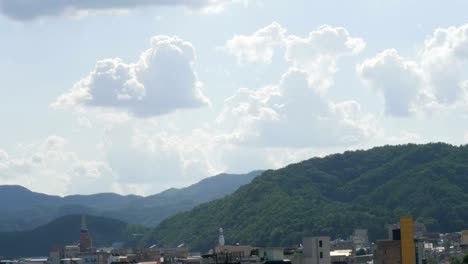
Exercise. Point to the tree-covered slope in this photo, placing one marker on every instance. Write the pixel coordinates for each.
(65, 231)
(332, 196)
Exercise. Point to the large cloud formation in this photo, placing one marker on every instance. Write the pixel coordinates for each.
(316, 54)
(435, 77)
(291, 114)
(294, 112)
(162, 81)
(25, 10)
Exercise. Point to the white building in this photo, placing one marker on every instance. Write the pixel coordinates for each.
(316, 250)
(71, 251)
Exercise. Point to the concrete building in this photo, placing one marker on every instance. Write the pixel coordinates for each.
(403, 247)
(360, 238)
(71, 251)
(55, 254)
(388, 252)
(271, 253)
(316, 250)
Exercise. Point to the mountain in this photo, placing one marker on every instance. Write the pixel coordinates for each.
(23, 209)
(64, 231)
(332, 196)
(151, 210)
(101, 200)
(18, 197)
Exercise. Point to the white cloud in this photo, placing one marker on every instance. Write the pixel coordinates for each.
(291, 114)
(444, 59)
(25, 10)
(48, 167)
(259, 47)
(162, 81)
(397, 78)
(316, 54)
(433, 81)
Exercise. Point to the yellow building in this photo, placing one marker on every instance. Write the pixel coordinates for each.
(408, 254)
(464, 237)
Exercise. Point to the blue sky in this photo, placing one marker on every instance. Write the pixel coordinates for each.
(140, 96)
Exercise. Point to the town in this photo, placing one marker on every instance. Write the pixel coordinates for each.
(408, 242)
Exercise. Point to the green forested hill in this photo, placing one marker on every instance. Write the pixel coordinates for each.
(332, 196)
(64, 231)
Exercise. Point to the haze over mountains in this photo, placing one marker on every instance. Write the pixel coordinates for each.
(23, 209)
(320, 196)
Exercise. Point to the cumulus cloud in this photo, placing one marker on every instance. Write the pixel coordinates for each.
(398, 79)
(291, 114)
(25, 10)
(50, 168)
(160, 82)
(258, 47)
(316, 54)
(433, 80)
(444, 59)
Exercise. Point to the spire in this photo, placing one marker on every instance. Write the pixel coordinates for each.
(83, 222)
(85, 240)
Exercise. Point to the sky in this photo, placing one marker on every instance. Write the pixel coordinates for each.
(135, 97)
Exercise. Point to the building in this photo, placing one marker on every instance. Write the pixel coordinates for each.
(271, 254)
(360, 238)
(402, 247)
(464, 237)
(55, 254)
(341, 256)
(85, 240)
(464, 241)
(408, 254)
(71, 251)
(388, 251)
(316, 250)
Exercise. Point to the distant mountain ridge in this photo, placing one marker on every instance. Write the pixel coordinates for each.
(332, 196)
(23, 209)
(65, 231)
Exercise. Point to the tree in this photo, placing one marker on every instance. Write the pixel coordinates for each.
(454, 260)
(361, 252)
(465, 259)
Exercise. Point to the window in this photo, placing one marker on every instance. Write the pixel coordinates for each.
(321, 254)
(320, 243)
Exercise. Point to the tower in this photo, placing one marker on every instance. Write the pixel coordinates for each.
(85, 240)
(408, 254)
(221, 237)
